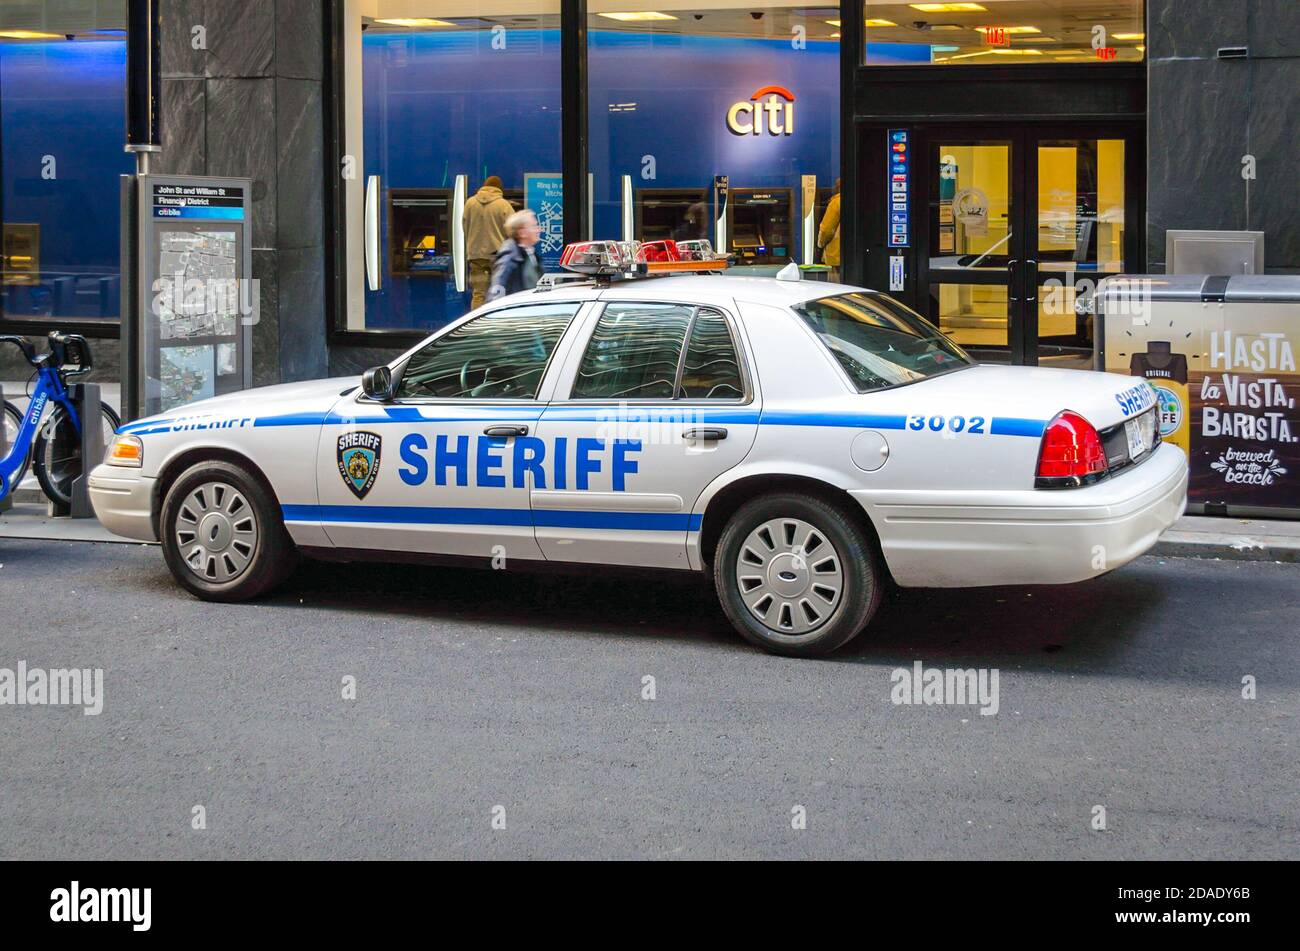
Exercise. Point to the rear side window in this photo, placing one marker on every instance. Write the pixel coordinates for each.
(501, 355)
(642, 351)
(879, 342)
(711, 370)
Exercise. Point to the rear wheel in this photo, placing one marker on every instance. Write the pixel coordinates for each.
(12, 421)
(796, 575)
(56, 453)
(222, 533)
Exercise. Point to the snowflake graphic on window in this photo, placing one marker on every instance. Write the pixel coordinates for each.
(550, 218)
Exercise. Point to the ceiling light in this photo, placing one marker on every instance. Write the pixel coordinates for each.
(1128, 36)
(876, 21)
(1009, 29)
(414, 22)
(29, 35)
(641, 16)
(948, 7)
(834, 23)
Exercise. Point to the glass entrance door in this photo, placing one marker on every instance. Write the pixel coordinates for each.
(1080, 233)
(976, 233)
(1022, 225)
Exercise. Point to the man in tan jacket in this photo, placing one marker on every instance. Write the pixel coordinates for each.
(485, 230)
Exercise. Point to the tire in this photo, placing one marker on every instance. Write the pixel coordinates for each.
(12, 420)
(56, 452)
(247, 551)
(797, 607)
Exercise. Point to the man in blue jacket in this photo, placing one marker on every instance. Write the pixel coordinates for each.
(516, 267)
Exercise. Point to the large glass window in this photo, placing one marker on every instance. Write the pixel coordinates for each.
(62, 127)
(1002, 32)
(501, 355)
(684, 96)
(452, 122)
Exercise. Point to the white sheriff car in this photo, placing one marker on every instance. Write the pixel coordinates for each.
(800, 442)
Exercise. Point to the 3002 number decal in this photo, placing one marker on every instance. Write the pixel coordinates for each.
(952, 424)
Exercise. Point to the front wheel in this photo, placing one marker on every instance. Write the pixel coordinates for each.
(222, 534)
(796, 575)
(56, 453)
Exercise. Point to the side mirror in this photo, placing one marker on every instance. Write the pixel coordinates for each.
(377, 383)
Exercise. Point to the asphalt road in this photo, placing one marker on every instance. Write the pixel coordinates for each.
(484, 689)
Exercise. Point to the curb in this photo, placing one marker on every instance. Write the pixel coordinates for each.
(1176, 544)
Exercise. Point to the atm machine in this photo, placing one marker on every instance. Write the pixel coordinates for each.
(678, 214)
(760, 225)
(420, 232)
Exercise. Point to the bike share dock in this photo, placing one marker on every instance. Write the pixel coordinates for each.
(28, 514)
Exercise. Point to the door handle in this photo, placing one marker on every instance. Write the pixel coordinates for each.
(1031, 281)
(706, 435)
(506, 431)
(1013, 269)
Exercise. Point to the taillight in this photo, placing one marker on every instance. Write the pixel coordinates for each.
(1071, 453)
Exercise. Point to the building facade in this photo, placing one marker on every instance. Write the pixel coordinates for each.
(989, 162)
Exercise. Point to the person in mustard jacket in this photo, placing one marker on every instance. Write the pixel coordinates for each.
(485, 230)
(828, 235)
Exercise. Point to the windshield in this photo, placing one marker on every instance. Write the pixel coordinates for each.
(879, 342)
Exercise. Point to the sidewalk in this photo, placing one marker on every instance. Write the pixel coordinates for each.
(1192, 536)
(1238, 539)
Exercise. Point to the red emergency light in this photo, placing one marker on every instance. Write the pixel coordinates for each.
(629, 259)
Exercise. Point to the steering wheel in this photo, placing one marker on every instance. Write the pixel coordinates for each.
(468, 367)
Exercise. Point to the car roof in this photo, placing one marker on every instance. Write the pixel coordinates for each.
(697, 288)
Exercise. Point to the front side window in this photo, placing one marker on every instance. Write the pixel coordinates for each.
(879, 342)
(501, 355)
(659, 351)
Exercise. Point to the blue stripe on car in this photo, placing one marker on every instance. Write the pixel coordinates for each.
(446, 515)
(998, 425)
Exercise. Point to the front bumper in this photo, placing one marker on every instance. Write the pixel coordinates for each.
(123, 501)
(1037, 536)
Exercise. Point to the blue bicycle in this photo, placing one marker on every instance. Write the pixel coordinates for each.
(51, 445)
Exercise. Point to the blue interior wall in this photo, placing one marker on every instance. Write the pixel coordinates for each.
(682, 87)
(66, 100)
(443, 103)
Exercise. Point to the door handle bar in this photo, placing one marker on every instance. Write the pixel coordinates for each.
(506, 431)
(708, 435)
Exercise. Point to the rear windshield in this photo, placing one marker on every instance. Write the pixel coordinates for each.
(879, 342)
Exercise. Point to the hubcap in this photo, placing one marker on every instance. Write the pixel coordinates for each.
(789, 576)
(216, 532)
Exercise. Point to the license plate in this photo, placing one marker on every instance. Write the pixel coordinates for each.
(1141, 433)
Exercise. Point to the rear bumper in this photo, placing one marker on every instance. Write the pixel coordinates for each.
(1036, 536)
(123, 501)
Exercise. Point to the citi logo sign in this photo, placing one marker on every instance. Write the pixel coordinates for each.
(773, 114)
